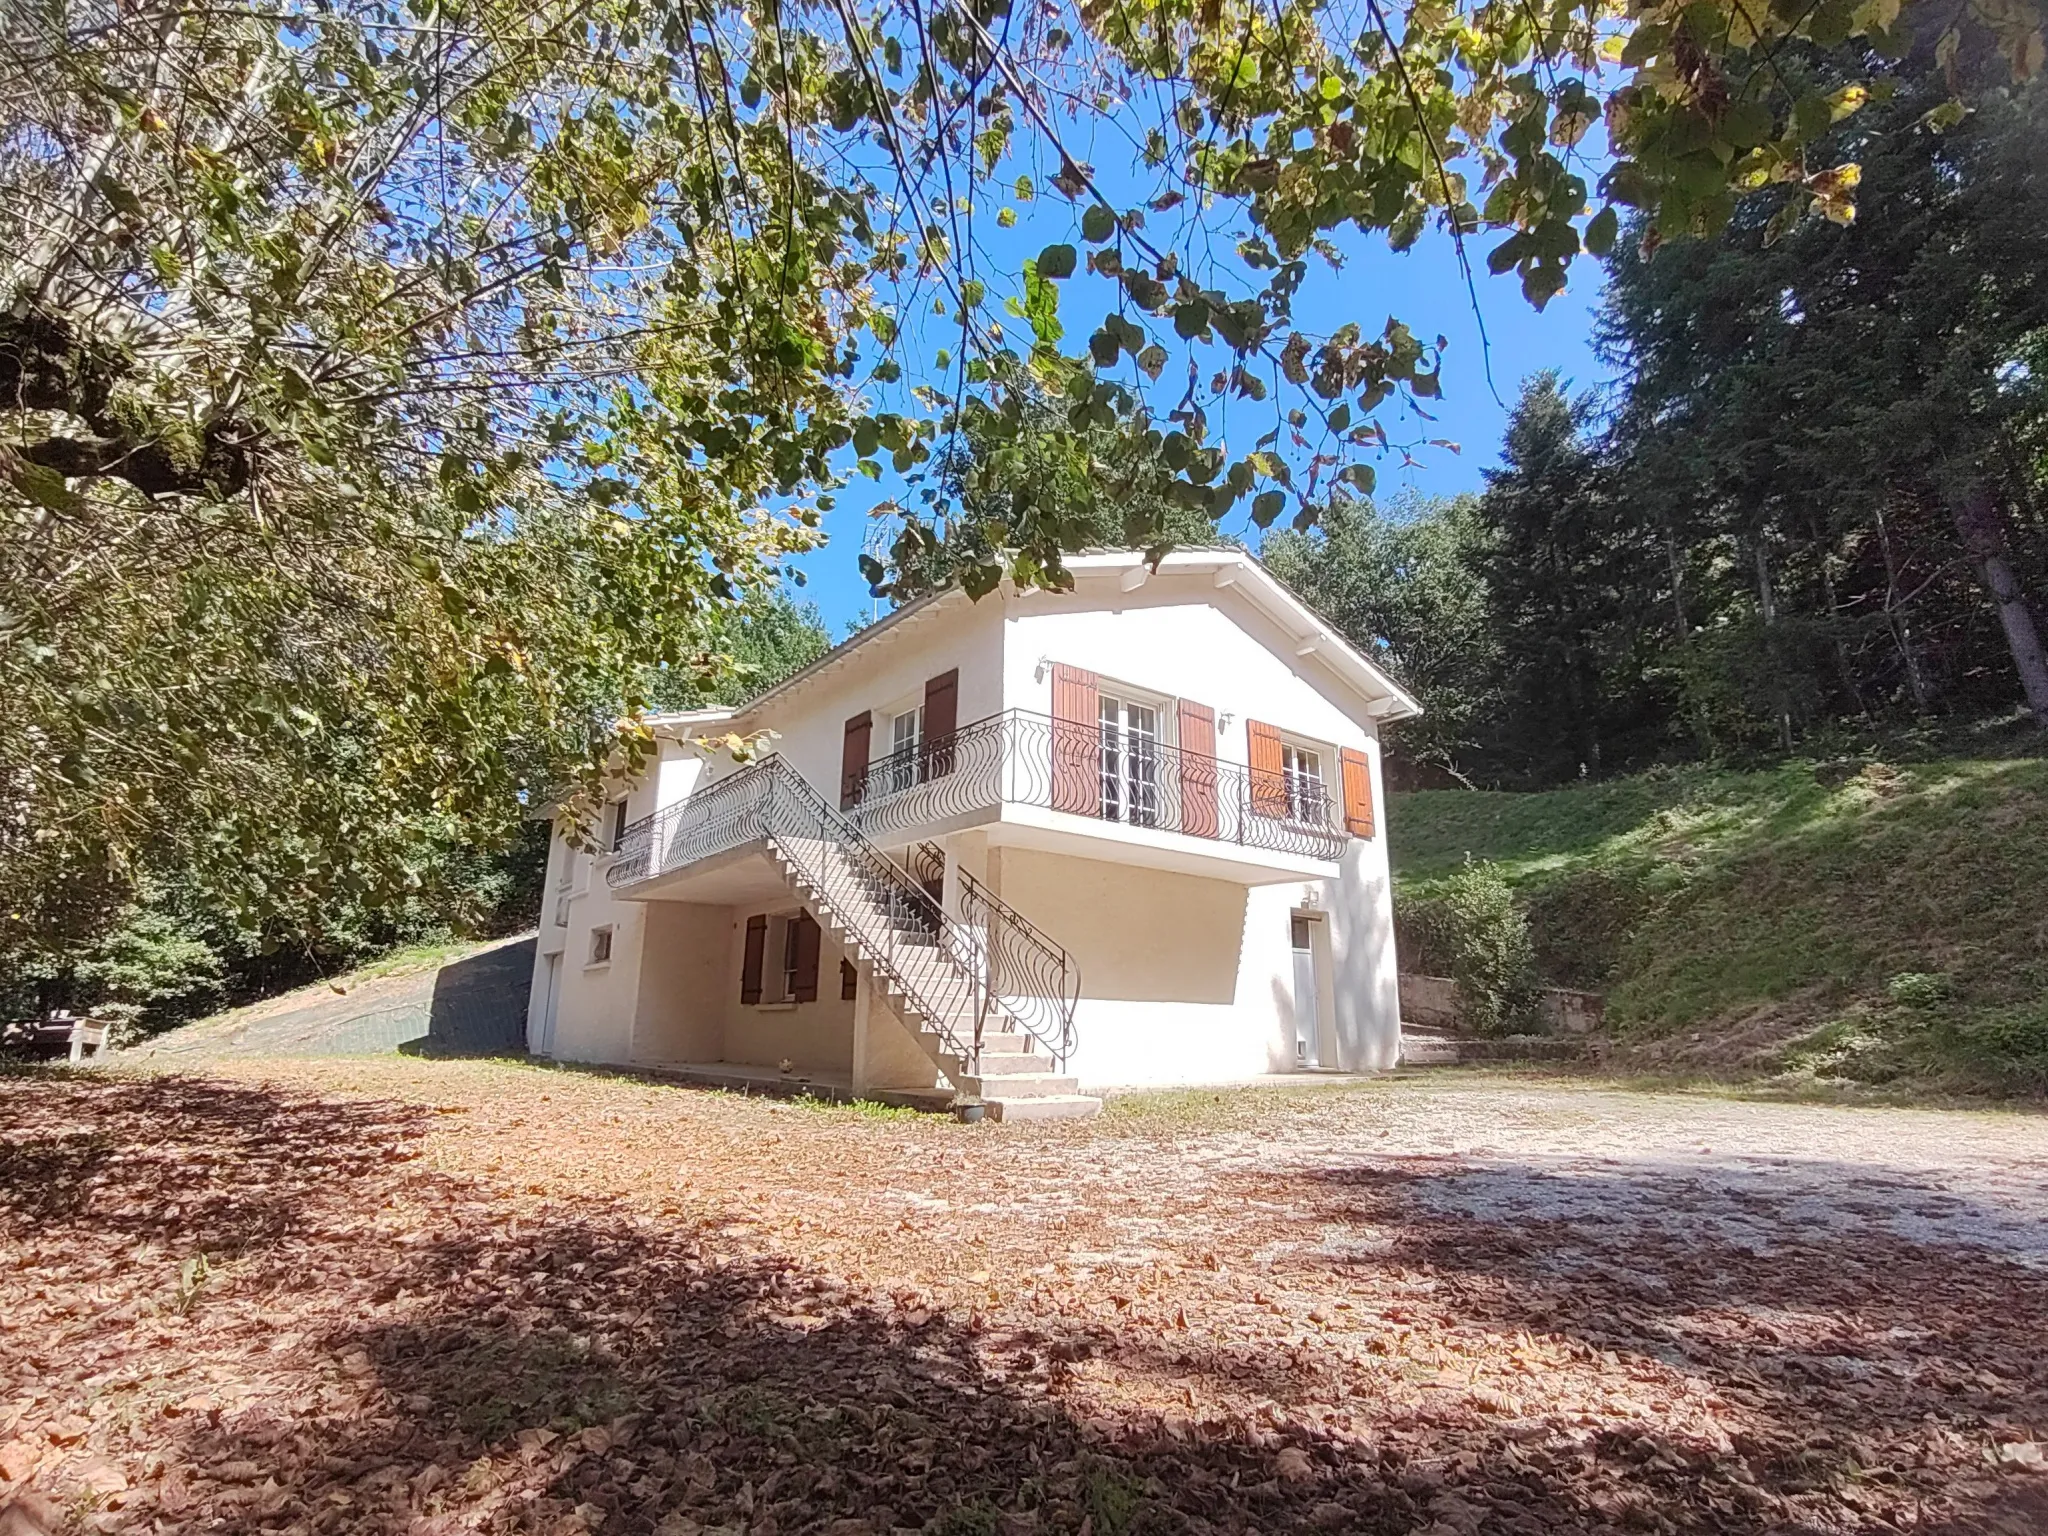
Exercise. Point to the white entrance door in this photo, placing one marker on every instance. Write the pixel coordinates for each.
(550, 1002)
(1307, 1002)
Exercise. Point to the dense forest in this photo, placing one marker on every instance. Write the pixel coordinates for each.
(1811, 511)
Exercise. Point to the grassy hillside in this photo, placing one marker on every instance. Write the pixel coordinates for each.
(1855, 920)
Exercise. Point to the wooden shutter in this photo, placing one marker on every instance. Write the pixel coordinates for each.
(1076, 740)
(849, 982)
(1358, 818)
(805, 988)
(941, 720)
(853, 757)
(1269, 775)
(750, 965)
(1197, 730)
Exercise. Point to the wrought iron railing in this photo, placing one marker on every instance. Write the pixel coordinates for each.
(932, 959)
(1029, 973)
(1019, 758)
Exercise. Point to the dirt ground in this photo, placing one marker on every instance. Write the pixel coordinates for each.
(425, 1297)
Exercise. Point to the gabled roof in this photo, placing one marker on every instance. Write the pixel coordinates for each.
(1228, 567)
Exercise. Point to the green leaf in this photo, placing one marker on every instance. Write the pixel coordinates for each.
(1097, 224)
(1152, 360)
(118, 195)
(1056, 261)
(1601, 230)
(1267, 506)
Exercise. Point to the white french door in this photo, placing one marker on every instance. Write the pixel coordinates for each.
(1130, 762)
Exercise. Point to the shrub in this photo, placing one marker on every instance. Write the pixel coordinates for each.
(1470, 928)
(1920, 989)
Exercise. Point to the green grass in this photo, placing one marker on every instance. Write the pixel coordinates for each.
(1837, 920)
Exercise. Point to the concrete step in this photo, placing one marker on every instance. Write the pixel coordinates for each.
(1016, 1085)
(996, 1063)
(1058, 1106)
(993, 1047)
(1429, 1048)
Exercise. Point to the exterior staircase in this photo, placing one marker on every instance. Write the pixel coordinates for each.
(951, 982)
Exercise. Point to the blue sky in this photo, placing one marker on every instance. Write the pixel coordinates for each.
(1423, 287)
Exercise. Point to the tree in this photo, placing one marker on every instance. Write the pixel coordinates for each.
(1569, 575)
(1838, 410)
(997, 480)
(1402, 586)
(745, 654)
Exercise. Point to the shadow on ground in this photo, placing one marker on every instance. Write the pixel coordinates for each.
(243, 1309)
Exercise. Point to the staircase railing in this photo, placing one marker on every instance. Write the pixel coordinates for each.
(1028, 972)
(931, 958)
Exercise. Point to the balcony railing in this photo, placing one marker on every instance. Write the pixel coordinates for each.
(1019, 758)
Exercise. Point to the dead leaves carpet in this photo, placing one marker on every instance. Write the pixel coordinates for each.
(425, 1298)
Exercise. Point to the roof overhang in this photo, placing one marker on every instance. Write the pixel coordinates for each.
(1309, 634)
(1234, 569)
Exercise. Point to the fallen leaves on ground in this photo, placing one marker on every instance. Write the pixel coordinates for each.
(434, 1298)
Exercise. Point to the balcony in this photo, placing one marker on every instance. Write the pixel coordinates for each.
(1029, 771)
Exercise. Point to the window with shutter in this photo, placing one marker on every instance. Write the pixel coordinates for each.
(803, 978)
(853, 757)
(941, 720)
(1268, 769)
(849, 982)
(1358, 807)
(1196, 724)
(754, 961)
(1076, 740)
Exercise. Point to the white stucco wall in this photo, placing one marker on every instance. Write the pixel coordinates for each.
(1178, 637)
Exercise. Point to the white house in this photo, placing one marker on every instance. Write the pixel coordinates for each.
(1005, 850)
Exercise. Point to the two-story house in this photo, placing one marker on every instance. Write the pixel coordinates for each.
(1005, 851)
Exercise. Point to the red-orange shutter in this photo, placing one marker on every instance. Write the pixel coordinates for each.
(853, 757)
(941, 720)
(804, 989)
(1197, 727)
(750, 965)
(1269, 777)
(1076, 740)
(1358, 817)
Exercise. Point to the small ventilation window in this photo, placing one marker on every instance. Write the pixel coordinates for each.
(601, 945)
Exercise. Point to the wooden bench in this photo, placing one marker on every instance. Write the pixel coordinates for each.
(63, 1033)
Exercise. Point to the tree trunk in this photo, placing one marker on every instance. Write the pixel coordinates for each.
(1767, 603)
(1980, 524)
(1900, 624)
(1702, 724)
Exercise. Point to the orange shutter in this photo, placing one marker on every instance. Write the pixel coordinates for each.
(805, 986)
(1358, 818)
(1076, 740)
(750, 966)
(941, 720)
(1269, 778)
(853, 757)
(1197, 726)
